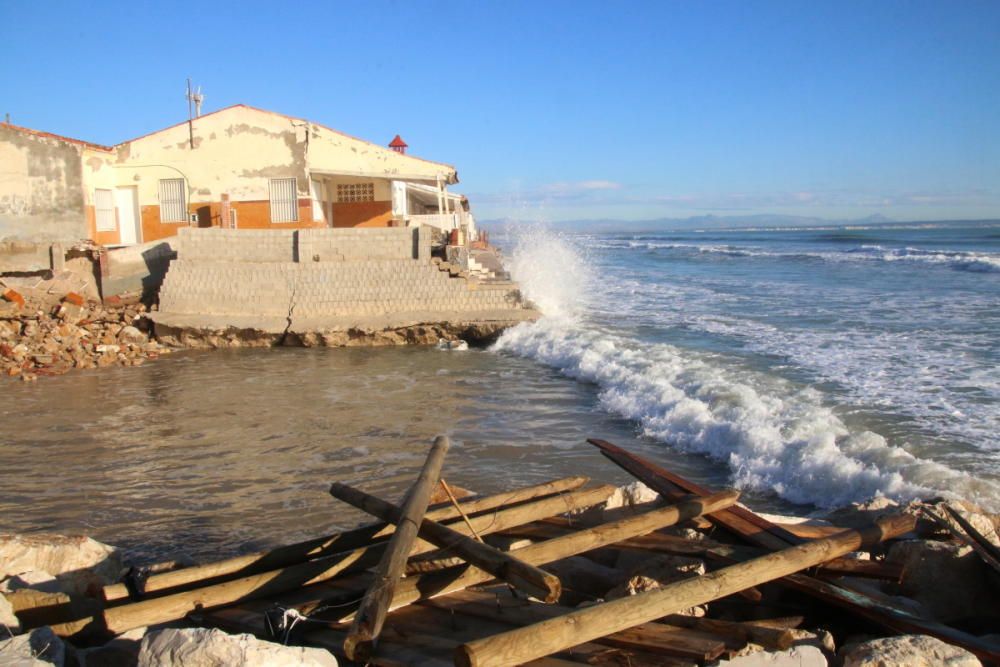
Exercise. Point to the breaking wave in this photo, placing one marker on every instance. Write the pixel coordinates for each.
(958, 260)
(774, 436)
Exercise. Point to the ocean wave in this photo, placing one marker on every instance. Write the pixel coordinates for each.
(773, 435)
(782, 440)
(978, 262)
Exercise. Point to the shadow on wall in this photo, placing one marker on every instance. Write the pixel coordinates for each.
(137, 269)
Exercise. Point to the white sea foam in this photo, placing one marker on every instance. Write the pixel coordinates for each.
(772, 434)
(979, 262)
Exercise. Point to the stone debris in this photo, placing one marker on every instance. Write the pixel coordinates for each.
(71, 564)
(41, 338)
(201, 647)
(38, 648)
(800, 656)
(907, 651)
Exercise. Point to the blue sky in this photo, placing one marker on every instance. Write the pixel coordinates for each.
(566, 110)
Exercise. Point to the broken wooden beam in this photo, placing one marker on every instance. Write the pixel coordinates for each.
(284, 556)
(504, 566)
(178, 605)
(432, 585)
(524, 644)
(370, 617)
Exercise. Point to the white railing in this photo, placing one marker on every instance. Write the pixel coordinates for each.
(445, 221)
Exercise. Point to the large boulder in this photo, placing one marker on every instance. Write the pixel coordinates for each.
(9, 624)
(38, 648)
(799, 656)
(949, 580)
(202, 647)
(907, 651)
(79, 564)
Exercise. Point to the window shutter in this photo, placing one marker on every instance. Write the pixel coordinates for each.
(173, 207)
(104, 207)
(284, 200)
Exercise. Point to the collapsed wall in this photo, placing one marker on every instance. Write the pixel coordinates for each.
(325, 287)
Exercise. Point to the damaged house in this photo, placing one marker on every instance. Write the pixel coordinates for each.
(236, 168)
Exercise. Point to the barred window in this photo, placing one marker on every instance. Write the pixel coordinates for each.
(104, 207)
(354, 192)
(173, 204)
(284, 200)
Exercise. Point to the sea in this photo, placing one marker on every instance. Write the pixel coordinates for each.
(811, 368)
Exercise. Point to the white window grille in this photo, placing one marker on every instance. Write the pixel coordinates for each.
(173, 204)
(284, 200)
(104, 207)
(349, 193)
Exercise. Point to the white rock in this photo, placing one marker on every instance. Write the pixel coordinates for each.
(130, 334)
(631, 495)
(907, 651)
(799, 656)
(77, 562)
(9, 622)
(38, 648)
(39, 581)
(202, 647)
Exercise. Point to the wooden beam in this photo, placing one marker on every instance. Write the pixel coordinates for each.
(178, 605)
(527, 578)
(370, 617)
(241, 566)
(524, 644)
(432, 585)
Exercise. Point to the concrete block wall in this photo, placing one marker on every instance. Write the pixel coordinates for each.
(358, 273)
(236, 245)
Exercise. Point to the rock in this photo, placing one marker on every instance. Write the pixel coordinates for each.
(122, 651)
(799, 656)
(130, 334)
(907, 651)
(80, 564)
(631, 495)
(9, 623)
(656, 572)
(821, 639)
(202, 647)
(949, 580)
(38, 648)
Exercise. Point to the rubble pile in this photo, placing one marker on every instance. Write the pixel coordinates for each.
(52, 336)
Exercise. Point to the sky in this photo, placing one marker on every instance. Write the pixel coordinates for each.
(566, 110)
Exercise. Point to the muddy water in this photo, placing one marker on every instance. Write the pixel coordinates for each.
(216, 453)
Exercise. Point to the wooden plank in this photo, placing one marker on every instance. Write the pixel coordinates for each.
(427, 586)
(738, 520)
(368, 620)
(989, 552)
(528, 578)
(584, 625)
(364, 536)
(653, 638)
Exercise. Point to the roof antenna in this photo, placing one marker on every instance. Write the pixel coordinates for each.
(196, 99)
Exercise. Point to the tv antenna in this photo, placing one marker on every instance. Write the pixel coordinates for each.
(195, 98)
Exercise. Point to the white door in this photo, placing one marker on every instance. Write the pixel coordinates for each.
(127, 202)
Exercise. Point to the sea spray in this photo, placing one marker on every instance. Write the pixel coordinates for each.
(773, 435)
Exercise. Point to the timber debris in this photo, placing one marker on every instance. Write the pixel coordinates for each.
(552, 574)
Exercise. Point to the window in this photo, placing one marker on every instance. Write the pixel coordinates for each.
(348, 193)
(284, 200)
(104, 207)
(173, 207)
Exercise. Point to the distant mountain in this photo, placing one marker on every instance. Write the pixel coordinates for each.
(695, 222)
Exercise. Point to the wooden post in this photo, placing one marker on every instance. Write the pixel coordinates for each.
(528, 578)
(178, 605)
(374, 608)
(534, 641)
(241, 566)
(421, 587)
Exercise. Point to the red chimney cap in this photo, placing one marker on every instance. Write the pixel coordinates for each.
(397, 143)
